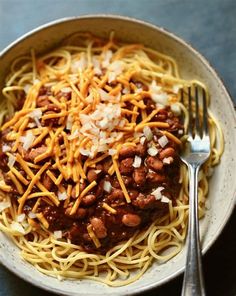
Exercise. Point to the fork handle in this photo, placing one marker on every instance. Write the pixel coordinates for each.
(193, 284)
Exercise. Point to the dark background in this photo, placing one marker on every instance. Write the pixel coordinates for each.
(210, 26)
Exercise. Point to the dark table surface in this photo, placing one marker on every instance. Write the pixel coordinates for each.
(210, 26)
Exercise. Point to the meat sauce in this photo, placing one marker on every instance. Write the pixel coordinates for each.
(140, 182)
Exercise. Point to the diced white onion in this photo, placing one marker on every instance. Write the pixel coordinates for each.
(165, 199)
(137, 161)
(125, 90)
(74, 135)
(69, 122)
(27, 140)
(176, 88)
(84, 152)
(57, 234)
(168, 160)
(104, 95)
(163, 141)
(107, 55)
(20, 218)
(31, 215)
(4, 205)
(152, 151)
(6, 148)
(112, 151)
(17, 227)
(11, 160)
(175, 108)
(80, 64)
(107, 186)
(111, 77)
(66, 89)
(97, 171)
(157, 193)
(147, 133)
(62, 195)
(161, 98)
(32, 124)
(142, 140)
(36, 113)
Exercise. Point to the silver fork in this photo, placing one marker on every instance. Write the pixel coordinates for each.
(196, 153)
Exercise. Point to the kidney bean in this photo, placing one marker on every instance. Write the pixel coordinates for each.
(127, 151)
(92, 175)
(88, 199)
(167, 152)
(139, 175)
(127, 180)
(99, 227)
(143, 201)
(154, 163)
(116, 194)
(115, 183)
(133, 194)
(80, 213)
(47, 182)
(126, 166)
(106, 165)
(35, 152)
(141, 150)
(43, 101)
(155, 178)
(99, 189)
(131, 220)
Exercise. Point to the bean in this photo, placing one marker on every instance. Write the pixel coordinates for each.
(155, 178)
(106, 165)
(116, 194)
(43, 101)
(89, 199)
(133, 194)
(126, 166)
(143, 201)
(167, 152)
(127, 151)
(92, 175)
(127, 180)
(139, 175)
(100, 189)
(99, 227)
(80, 213)
(35, 152)
(154, 163)
(47, 182)
(141, 149)
(131, 220)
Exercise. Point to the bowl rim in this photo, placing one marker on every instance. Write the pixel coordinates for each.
(203, 61)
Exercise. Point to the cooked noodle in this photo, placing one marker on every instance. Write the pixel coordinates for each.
(81, 67)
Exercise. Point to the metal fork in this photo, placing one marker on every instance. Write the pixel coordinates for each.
(196, 153)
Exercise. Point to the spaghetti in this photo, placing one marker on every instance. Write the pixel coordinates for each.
(92, 186)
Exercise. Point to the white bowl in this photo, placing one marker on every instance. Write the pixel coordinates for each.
(222, 184)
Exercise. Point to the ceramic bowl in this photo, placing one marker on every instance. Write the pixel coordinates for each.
(222, 184)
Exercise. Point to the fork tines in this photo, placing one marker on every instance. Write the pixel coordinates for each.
(195, 100)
